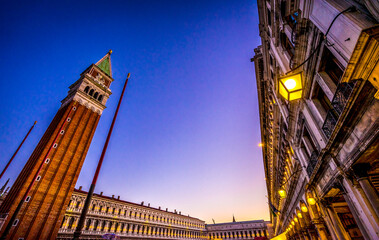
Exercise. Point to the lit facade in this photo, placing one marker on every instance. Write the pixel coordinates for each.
(239, 230)
(320, 151)
(110, 215)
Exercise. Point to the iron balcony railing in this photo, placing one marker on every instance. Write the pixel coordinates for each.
(339, 101)
(312, 163)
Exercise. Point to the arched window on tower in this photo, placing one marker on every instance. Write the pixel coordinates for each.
(91, 92)
(100, 98)
(95, 95)
(86, 89)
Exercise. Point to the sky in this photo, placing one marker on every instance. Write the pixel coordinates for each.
(187, 133)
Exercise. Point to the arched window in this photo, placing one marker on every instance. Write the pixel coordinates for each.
(91, 92)
(95, 95)
(115, 227)
(95, 224)
(88, 224)
(86, 89)
(64, 219)
(100, 98)
(77, 204)
(71, 222)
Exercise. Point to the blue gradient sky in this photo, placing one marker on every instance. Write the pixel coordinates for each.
(187, 133)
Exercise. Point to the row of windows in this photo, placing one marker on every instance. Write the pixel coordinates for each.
(93, 94)
(137, 215)
(239, 234)
(121, 227)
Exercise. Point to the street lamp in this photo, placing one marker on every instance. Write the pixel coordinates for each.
(282, 192)
(311, 201)
(304, 207)
(290, 86)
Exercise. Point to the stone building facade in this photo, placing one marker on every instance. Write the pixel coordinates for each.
(321, 151)
(238, 230)
(110, 215)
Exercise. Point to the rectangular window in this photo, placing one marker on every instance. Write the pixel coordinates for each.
(269, 17)
(331, 66)
(286, 44)
(321, 100)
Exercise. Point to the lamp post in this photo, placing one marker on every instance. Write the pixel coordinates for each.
(291, 87)
(282, 192)
(9, 162)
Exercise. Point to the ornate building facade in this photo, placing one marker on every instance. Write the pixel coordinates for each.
(38, 199)
(110, 215)
(320, 151)
(257, 229)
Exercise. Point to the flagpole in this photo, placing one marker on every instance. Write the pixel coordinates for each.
(78, 231)
(9, 162)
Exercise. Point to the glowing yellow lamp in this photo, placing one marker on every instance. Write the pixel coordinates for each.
(311, 201)
(293, 223)
(282, 193)
(290, 86)
(304, 208)
(260, 145)
(300, 215)
(296, 219)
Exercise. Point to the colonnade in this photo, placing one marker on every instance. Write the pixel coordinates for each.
(99, 226)
(238, 234)
(318, 218)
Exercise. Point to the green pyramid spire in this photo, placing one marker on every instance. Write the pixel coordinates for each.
(105, 64)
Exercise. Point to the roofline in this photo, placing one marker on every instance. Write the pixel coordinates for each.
(136, 204)
(234, 223)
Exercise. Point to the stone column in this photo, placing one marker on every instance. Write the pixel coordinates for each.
(75, 223)
(65, 222)
(340, 232)
(135, 230)
(360, 170)
(91, 225)
(118, 228)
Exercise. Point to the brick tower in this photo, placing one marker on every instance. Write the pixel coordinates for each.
(56, 161)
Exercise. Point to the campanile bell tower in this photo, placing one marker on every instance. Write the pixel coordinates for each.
(55, 164)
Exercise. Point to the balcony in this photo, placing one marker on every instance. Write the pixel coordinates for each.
(312, 163)
(339, 101)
